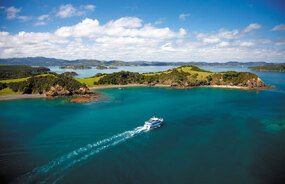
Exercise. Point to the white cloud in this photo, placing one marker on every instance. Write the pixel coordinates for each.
(223, 44)
(40, 23)
(66, 11)
(126, 26)
(158, 22)
(246, 44)
(251, 27)
(129, 39)
(43, 17)
(12, 12)
(88, 7)
(280, 27)
(24, 18)
(42, 20)
(184, 16)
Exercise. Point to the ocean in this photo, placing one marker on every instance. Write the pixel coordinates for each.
(210, 136)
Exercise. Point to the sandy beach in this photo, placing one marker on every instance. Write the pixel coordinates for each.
(23, 96)
(167, 86)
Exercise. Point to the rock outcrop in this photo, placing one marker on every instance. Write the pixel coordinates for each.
(60, 91)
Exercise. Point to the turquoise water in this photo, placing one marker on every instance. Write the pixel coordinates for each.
(210, 136)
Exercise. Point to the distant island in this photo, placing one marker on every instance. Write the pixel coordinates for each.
(105, 67)
(64, 85)
(113, 67)
(75, 67)
(43, 61)
(101, 67)
(273, 68)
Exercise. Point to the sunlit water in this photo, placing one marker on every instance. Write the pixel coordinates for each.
(210, 136)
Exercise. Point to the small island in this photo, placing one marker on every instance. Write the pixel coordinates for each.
(75, 67)
(113, 67)
(101, 67)
(269, 68)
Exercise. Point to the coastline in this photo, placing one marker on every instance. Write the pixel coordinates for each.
(174, 87)
(130, 86)
(20, 97)
(37, 96)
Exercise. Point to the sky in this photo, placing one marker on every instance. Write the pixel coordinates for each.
(144, 30)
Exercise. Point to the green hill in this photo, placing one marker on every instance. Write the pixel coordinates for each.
(275, 68)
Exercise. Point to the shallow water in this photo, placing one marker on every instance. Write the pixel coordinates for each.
(210, 136)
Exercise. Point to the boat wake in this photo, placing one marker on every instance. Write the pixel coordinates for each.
(50, 172)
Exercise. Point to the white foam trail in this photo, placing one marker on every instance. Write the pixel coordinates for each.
(71, 158)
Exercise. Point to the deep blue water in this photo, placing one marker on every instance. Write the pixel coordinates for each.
(210, 136)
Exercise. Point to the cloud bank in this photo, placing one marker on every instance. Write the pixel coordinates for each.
(130, 39)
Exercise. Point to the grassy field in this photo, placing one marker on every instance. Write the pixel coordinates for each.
(8, 91)
(201, 75)
(20, 79)
(90, 81)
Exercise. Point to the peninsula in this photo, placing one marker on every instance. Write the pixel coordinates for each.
(181, 77)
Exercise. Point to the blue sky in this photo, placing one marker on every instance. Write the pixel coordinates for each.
(162, 30)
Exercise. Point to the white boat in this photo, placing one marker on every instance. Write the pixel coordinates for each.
(153, 123)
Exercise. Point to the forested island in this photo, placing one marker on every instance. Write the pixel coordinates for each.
(101, 67)
(54, 85)
(182, 77)
(273, 68)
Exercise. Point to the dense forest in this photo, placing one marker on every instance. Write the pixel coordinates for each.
(41, 84)
(20, 71)
(277, 68)
(70, 74)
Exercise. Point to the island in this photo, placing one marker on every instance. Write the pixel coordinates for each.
(62, 85)
(101, 67)
(75, 67)
(271, 68)
(186, 76)
(113, 67)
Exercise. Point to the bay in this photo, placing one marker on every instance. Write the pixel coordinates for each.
(210, 136)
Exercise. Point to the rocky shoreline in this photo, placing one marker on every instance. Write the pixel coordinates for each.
(84, 98)
(95, 96)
